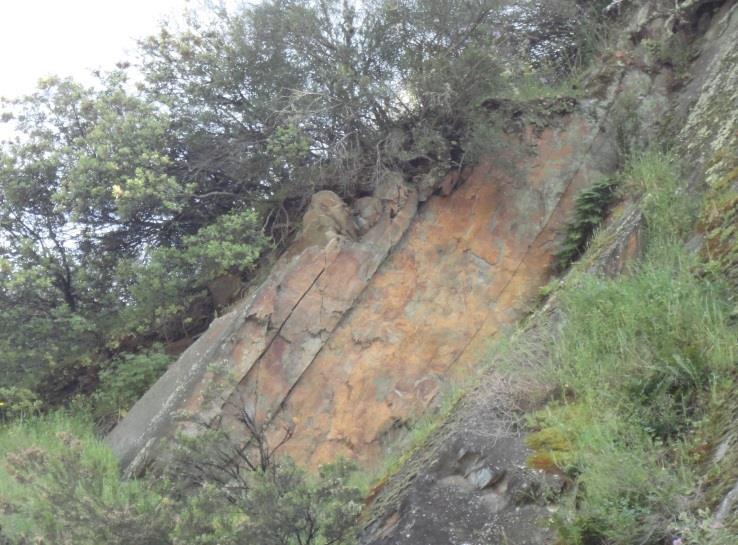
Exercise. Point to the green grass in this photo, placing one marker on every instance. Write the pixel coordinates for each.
(644, 362)
(57, 478)
(44, 433)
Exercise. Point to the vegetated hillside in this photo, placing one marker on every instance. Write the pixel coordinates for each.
(607, 418)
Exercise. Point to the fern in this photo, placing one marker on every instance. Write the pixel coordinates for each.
(590, 209)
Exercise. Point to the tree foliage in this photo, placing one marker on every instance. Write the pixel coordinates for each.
(80, 152)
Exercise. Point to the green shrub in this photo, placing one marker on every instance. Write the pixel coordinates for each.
(18, 403)
(126, 379)
(61, 485)
(167, 286)
(674, 51)
(282, 506)
(238, 490)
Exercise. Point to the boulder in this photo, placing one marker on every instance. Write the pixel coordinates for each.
(326, 218)
(224, 289)
(367, 213)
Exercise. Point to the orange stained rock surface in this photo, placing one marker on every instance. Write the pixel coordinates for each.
(468, 265)
(347, 341)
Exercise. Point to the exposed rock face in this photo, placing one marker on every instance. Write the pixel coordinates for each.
(284, 324)
(391, 191)
(348, 350)
(467, 267)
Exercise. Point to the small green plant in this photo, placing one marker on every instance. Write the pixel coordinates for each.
(532, 85)
(627, 124)
(700, 527)
(655, 48)
(590, 209)
(18, 403)
(545, 291)
(674, 52)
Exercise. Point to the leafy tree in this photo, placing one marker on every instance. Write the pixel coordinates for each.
(99, 240)
(17, 403)
(62, 229)
(166, 285)
(288, 96)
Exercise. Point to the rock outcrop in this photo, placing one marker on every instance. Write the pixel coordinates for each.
(280, 328)
(467, 267)
(352, 334)
(326, 218)
(375, 307)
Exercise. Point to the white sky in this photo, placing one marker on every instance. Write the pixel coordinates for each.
(71, 37)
